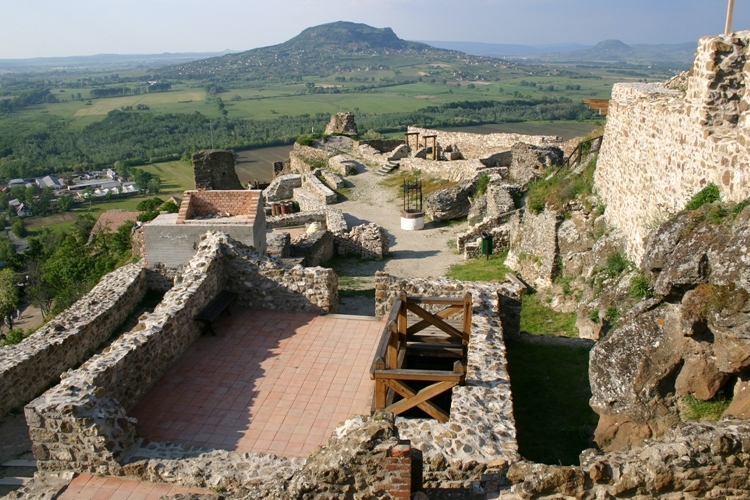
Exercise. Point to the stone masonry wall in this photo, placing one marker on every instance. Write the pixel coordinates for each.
(318, 190)
(476, 146)
(481, 429)
(282, 187)
(368, 241)
(82, 423)
(214, 169)
(533, 246)
(661, 146)
(305, 159)
(28, 368)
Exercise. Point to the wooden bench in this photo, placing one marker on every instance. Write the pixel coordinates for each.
(214, 308)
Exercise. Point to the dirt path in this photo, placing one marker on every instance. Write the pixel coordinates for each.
(413, 253)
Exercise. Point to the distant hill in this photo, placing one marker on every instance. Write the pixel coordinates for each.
(615, 51)
(112, 60)
(504, 49)
(324, 49)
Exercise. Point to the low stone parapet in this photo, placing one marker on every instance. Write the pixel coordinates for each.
(368, 241)
(282, 187)
(318, 190)
(28, 368)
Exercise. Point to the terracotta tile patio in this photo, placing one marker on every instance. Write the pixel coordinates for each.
(273, 382)
(87, 487)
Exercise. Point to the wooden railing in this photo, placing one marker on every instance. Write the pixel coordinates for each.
(584, 147)
(389, 370)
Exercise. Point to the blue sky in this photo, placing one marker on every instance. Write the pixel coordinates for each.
(44, 28)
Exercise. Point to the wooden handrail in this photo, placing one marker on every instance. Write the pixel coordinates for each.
(594, 142)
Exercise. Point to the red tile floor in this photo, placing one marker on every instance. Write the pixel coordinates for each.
(87, 487)
(274, 382)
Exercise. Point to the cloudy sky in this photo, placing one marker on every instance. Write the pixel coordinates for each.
(44, 28)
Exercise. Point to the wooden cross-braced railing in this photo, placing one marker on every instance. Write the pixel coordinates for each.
(389, 370)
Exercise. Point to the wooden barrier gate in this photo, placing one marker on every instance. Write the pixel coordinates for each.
(388, 369)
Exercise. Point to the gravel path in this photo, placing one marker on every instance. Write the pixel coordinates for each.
(413, 253)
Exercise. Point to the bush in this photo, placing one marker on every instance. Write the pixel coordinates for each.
(149, 205)
(708, 194)
(640, 287)
(615, 265)
(482, 182)
(14, 336)
(19, 228)
(169, 207)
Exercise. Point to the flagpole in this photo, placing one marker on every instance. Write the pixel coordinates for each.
(730, 10)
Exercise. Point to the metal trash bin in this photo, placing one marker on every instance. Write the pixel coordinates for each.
(486, 244)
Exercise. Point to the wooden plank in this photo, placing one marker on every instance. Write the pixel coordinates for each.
(402, 325)
(436, 350)
(466, 329)
(385, 336)
(420, 399)
(424, 375)
(445, 313)
(434, 321)
(436, 340)
(448, 301)
(391, 360)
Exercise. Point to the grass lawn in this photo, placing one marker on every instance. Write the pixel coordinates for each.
(480, 269)
(550, 385)
(539, 319)
(63, 222)
(176, 177)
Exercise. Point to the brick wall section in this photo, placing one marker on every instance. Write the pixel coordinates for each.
(28, 368)
(661, 146)
(397, 466)
(232, 202)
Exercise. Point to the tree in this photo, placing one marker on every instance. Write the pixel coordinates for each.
(141, 178)
(154, 185)
(18, 193)
(64, 203)
(9, 296)
(19, 228)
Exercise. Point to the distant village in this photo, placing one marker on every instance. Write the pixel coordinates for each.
(96, 183)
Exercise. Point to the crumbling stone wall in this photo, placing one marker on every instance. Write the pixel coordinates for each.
(318, 190)
(26, 369)
(528, 161)
(316, 248)
(345, 165)
(214, 169)
(481, 432)
(341, 123)
(305, 159)
(476, 146)
(282, 187)
(661, 146)
(333, 218)
(533, 246)
(82, 423)
(694, 460)
(368, 241)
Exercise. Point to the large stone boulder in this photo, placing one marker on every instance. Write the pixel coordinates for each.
(214, 169)
(342, 123)
(450, 203)
(691, 339)
(529, 162)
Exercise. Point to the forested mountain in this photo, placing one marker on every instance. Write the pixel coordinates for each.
(320, 50)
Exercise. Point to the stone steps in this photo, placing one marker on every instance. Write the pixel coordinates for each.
(387, 168)
(17, 477)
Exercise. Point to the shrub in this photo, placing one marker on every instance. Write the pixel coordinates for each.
(169, 207)
(615, 265)
(612, 315)
(482, 182)
(14, 336)
(149, 205)
(594, 315)
(640, 287)
(708, 194)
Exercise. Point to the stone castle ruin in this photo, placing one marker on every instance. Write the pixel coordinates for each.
(661, 145)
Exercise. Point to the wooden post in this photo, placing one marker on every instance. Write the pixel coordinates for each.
(730, 11)
(391, 361)
(380, 387)
(466, 330)
(402, 314)
(434, 148)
